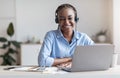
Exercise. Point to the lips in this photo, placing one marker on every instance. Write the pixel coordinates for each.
(66, 26)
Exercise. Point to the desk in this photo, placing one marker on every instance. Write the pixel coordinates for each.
(111, 73)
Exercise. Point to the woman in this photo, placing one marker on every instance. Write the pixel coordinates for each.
(59, 45)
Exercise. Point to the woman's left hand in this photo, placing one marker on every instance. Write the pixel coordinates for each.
(66, 64)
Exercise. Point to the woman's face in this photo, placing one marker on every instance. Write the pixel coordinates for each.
(66, 19)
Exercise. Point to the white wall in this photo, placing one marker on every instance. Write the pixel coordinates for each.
(116, 27)
(116, 24)
(7, 15)
(93, 15)
(35, 17)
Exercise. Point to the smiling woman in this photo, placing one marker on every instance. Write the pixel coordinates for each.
(59, 45)
(33, 18)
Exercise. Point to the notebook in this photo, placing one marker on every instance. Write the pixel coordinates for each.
(92, 58)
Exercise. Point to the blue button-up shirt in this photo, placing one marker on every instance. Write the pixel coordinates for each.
(56, 46)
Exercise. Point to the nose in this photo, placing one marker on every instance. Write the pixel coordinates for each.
(66, 22)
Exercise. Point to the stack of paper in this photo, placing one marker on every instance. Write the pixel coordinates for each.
(52, 70)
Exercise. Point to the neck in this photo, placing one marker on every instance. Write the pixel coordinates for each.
(68, 35)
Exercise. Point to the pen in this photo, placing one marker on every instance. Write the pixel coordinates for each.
(8, 68)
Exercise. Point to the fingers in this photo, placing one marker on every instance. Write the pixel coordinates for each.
(68, 64)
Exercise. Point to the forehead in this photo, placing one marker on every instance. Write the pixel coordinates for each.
(66, 11)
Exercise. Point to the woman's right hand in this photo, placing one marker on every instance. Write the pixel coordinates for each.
(67, 64)
(62, 62)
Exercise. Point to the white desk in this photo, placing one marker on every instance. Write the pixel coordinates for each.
(111, 73)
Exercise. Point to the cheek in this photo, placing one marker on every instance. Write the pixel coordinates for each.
(60, 24)
(73, 23)
(70, 22)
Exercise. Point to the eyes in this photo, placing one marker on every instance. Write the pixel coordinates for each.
(64, 19)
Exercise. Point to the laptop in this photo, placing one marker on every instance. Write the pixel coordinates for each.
(92, 58)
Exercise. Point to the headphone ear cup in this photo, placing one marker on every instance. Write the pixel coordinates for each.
(76, 19)
(56, 19)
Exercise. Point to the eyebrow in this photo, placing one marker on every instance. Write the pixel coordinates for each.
(63, 16)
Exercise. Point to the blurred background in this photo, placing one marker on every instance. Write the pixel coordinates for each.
(100, 19)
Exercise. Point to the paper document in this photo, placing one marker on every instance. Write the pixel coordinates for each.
(52, 70)
(21, 68)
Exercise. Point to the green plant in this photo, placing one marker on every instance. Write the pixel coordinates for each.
(10, 46)
(102, 32)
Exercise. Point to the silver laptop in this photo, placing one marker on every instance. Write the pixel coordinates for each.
(92, 58)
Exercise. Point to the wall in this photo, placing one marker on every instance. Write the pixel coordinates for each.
(35, 17)
(7, 15)
(116, 24)
(116, 27)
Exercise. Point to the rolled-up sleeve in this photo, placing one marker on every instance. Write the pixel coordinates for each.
(44, 58)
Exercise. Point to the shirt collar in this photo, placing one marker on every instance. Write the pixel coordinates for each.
(59, 33)
(76, 35)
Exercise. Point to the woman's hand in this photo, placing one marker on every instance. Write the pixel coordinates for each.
(62, 62)
(66, 64)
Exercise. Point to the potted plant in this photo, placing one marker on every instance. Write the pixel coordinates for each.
(10, 46)
(101, 36)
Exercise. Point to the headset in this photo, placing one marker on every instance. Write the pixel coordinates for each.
(65, 6)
